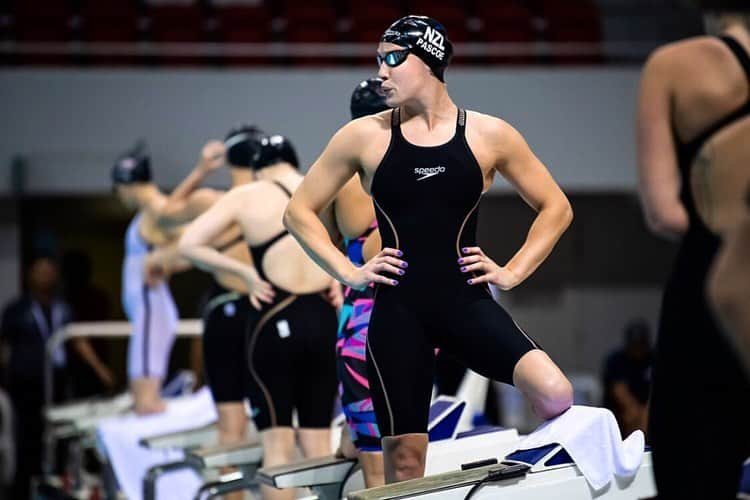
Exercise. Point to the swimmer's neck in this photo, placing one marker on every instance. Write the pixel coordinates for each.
(241, 176)
(433, 106)
(149, 198)
(281, 172)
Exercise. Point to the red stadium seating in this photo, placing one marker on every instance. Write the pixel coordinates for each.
(42, 21)
(367, 22)
(574, 21)
(451, 14)
(296, 22)
(237, 24)
(177, 23)
(114, 21)
(506, 22)
(314, 21)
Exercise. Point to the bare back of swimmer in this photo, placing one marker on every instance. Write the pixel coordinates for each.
(687, 87)
(291, 347)
(248, 206)
(227, 313)
(693, 126)
(729, 285)
(186, 202)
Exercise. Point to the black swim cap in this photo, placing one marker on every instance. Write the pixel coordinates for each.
(274, 149)
(426, 38)
(132, 167)
(367, 99)
(242, 145)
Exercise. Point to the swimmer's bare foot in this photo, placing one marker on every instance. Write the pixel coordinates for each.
(146, 393)
(150, 407)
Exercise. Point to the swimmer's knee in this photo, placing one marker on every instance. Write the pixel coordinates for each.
(555, 397)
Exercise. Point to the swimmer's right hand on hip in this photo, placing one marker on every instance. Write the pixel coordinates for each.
(258, 290)
(377, 269)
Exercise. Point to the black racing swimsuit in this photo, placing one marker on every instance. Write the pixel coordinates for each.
(291, 355)
(226, 317)
(426, 201)
(700, 401)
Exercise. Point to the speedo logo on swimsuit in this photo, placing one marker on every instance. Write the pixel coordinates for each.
(432, 42)
(428, 172)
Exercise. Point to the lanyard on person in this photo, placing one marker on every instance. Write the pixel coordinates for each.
(46, 330)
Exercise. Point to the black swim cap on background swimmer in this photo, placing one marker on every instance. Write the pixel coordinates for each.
(242, 145)
(426, 38)
(134, 166)
(274, 149)
(367, 99)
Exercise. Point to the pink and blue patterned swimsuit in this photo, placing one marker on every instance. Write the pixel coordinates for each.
(351, 363)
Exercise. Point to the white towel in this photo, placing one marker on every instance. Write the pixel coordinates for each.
(130, 461)
(592, 439)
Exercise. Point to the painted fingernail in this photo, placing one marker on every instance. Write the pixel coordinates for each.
(401, 272)
(469, 281)
(465, 249)
(404, 264)
(460, 261)
(400, 253)
(395, 282)
(463, 269)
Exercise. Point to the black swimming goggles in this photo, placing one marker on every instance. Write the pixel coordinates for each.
(393, 58)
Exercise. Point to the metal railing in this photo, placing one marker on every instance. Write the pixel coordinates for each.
(99, 329)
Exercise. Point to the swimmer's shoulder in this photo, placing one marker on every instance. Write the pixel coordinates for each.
(257, 192)
(239, 196)
(491, 130)
(679, 58)
(357, 134)
(370, 124)
(205, 197)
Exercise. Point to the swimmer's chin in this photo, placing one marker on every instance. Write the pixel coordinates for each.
(391, 100)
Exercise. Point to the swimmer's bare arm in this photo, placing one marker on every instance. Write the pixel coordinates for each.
(658, 172)
(196, 244)
(163, 262)
(729, 287)
(197, 203)
(337, 164)
(187, 201)
(515, 161)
